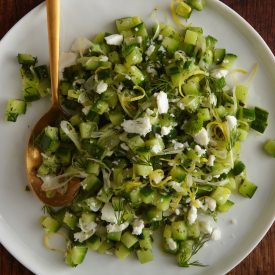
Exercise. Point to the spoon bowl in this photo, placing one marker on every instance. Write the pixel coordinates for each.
(33, 154)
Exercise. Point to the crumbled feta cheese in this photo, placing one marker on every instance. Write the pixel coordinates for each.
(177, 145)
(87, 227)
(138, 226)
(149, 112)
(80, 45)
(114, 39)
(101, 87)
(66, 60)
(206, 227)
(189, 180)
(199, 150)
(156, 149)
(202, 137)
(181, 105)
(162, 102)
(216, 234)
(165, 130)
(171, 244)
(211, 160)
(162, 49)
(139, 39)
(231, 122)
(108, 213)
(85, 110)
(210, 203)
(213, 100)
(141, 126)
(82, 236)
(120, 86)
(150, 50)
(192, 215)
(116, 228)
(177, 211)
(124, 147)
(157, 177)
(177, 186)
(219, 73)
(151, 70)
(160, 37)
(103, 58)
(93, 204)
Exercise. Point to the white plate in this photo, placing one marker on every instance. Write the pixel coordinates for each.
(20, 231)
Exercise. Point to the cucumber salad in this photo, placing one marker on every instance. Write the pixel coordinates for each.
(154, 137)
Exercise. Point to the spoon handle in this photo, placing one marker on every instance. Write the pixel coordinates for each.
(53, 17)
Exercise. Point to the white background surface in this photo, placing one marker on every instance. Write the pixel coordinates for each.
(20, 231)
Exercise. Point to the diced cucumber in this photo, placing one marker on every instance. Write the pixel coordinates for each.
(142, 170)
(183, 10)
(170, 44)
(178, 173)
(179, 230)
(121, 251)
(124, 24)
(219, 55)
(91, 183)
(48, 140)
(197, 4)
(87, 128)
(221, 195)
(145, 256)
(154, 214)
(229, 60)
(26, 59)
(247, 188)
(191, 37)
(14, 108)
(94, 242)
(269, 147)
(226, 206)
(70, 220)
(75, 255)
(148, 195)
(128, 239)
(114, 236)
(50, 224)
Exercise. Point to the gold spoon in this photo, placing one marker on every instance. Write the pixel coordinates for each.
(33, 155)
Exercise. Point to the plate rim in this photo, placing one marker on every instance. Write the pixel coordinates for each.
(266, 51)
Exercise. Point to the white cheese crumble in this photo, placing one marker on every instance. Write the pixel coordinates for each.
(177, 211)
(150, 50)
(124, 147)
(162, 102)
(141, 126)
(138, 226)
(177, 186)
(165, 130)
(211, 160)
(103, 58)
(202, 137)
(177, 145)
(206, 227)
(87, 230)
(108, 213)
(181, 105)
(210, 203)
(114, 39)
(101, 87)
(199, 150)
(93, 204)
(171, 244)
(157, 177)
(213, 100)
(80, 45)
(149, 112)
(116, 228)
(216, 234)
(231, 122)
(219, 73)
(156, 149)
(192, 214)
